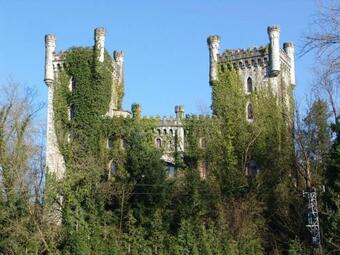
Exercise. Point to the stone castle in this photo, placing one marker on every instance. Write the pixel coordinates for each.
(267, 65)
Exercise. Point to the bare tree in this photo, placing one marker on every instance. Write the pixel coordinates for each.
(21, 170)
(324, 39)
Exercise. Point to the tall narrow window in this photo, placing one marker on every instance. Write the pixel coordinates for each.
(113, 168)
(73, 85)
(123, 144)
(250, 113)
(252, 168)
(171, 170)
(158, 143)
(72, 112)
(110, 142)
(249, 85)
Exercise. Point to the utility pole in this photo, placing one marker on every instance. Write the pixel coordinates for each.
(312, 219)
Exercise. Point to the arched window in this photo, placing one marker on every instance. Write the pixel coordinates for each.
(249, 85)
(158, 143)
(250, 113)
(159, 131)
(171, 132)
(165, 131)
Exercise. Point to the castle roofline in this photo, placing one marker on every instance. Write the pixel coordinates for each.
(234, 54)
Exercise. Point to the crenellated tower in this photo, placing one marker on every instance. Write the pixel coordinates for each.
(55, 65)
(264, 66)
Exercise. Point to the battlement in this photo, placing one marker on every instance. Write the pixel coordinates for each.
(243, 58)
(245, 53)
(164, 121)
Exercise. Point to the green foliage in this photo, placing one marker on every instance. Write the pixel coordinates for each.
(84, 87)
(330, 216)
(117, 199)
(295, 248)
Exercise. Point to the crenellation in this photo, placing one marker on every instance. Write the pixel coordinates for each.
(264, 65)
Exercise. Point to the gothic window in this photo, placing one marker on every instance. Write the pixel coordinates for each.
(250, 113)
(158, 143)
(249, 85)
(159, 131)
(72, 111)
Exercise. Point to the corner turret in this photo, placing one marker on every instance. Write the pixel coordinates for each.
(49, 57)
(274, 38)
(289, 49)
(214, 46)
(99, 42)
(136, 111)
(179, 110)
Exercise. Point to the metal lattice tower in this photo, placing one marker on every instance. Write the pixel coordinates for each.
(312, 223)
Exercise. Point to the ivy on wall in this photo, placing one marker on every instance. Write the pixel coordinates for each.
(87, 99)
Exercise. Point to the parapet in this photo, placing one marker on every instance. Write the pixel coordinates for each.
(179, 110)
(243, 58)
(118, 56)
(288, 45)
(213, 40)
(50, 38)
(273, 28)
(99, 31)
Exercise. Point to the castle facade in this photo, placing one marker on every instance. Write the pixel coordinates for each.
(265, 66)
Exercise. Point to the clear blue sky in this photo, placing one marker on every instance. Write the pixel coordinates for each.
(166, 54)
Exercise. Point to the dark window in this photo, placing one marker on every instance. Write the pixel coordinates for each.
(165, 132)
(158, 142)
(171, 170)
(72, 111)
(110, 142)
(124, 144)
(73, 85)
(250, 113)
(159, 131)
(113, 168)
(252, 169)
(249, 85)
